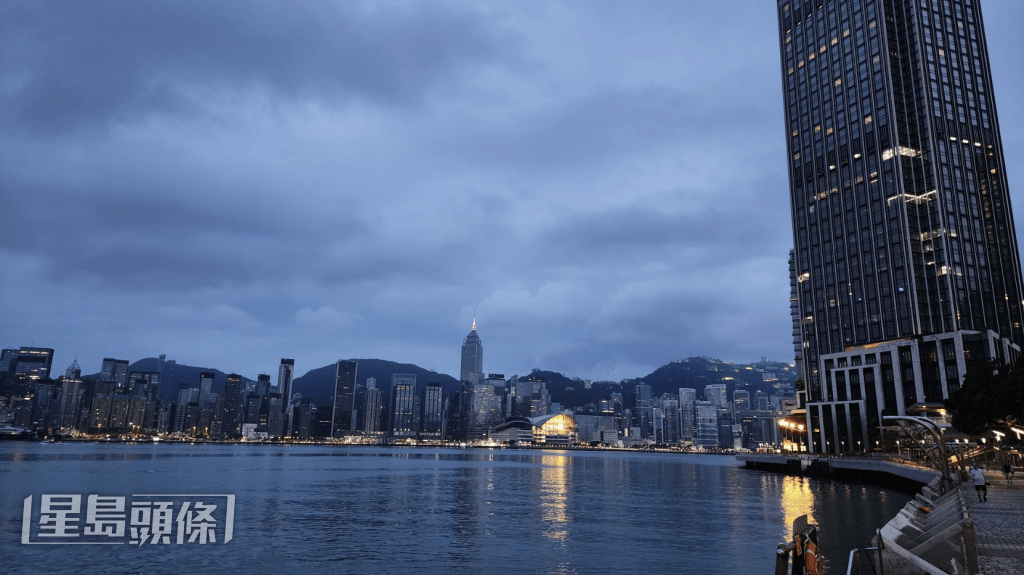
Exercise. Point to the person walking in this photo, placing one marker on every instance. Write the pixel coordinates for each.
(1008, 472)
(978, 475)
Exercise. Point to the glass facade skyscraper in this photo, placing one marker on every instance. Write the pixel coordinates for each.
(344, 396)
(472, 356)
(905, 257)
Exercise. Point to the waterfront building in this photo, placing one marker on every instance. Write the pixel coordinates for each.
(687, 398)
(69, 401)
(285, 377)
(372, 405)
(275, 417)
(657, 426)
(472, 356)
(484, 409)
(706, 420)
(185, 396)
(596, 428)
(905, 265)
(344, 396)
(403, 405)
(725, 428)
(432, 414)
(644, 405)
(670, 413)
(32, 362)
(206, 388)
(303, 419)
(231, 406)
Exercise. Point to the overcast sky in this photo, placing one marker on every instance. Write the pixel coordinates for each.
(602, 183)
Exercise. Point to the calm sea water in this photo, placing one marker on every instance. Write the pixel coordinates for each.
(390, 510)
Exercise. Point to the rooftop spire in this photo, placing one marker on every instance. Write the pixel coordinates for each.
(474, 324)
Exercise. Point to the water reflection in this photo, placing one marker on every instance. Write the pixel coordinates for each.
(797, 500)
(555, 475)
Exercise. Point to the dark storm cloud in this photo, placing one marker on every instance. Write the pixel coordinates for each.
(74, 64)
(602, 184)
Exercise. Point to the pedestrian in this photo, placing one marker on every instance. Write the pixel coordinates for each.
(1008, 472)
(978, 475)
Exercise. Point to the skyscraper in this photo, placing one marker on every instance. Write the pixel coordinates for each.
(717, 394)
(285, 374)
(33, 362)
(432, 416)
(205, 388)
(472, 355)
(905, 258)
(344, 395)
(231, 406)
(372, 405)
(115, 370)
(403, 405)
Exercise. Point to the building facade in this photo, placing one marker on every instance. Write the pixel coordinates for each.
(905, 258)
(403, 405)
(472, 356)
(344, 396)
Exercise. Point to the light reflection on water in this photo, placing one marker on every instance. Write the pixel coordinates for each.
(378, 510)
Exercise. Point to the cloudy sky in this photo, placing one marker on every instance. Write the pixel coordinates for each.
(602, 183)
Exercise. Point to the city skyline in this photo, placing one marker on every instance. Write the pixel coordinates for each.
(173, 205)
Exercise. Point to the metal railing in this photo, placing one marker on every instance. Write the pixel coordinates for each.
(804, 545)
(854, 562)
(933, 532)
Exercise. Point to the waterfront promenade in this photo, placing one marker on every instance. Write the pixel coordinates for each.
(999, 524)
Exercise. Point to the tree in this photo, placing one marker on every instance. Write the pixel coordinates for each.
(992, 396)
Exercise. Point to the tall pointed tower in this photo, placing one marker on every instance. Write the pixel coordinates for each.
(472, 355)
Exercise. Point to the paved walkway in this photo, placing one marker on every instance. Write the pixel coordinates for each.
(999, 524)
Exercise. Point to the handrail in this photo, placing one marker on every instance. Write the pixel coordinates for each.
(855, 559)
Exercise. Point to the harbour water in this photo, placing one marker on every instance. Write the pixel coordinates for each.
(314, 509)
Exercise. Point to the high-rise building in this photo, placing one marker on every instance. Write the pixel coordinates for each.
(285, 374)
(905, 259)
(206, 388)
(372, 404)
(33, 362)
(706, 424)
(115, 370)
(344, 396)
(687, 398)
(144, 384)
(74, 371)
(717, 394)
(263, 384)
(231, 416)
(472, 356)
(432, 416)
(644, 405)
(484, 407)
(403, 405)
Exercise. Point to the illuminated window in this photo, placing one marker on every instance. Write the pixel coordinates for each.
(867, 119)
